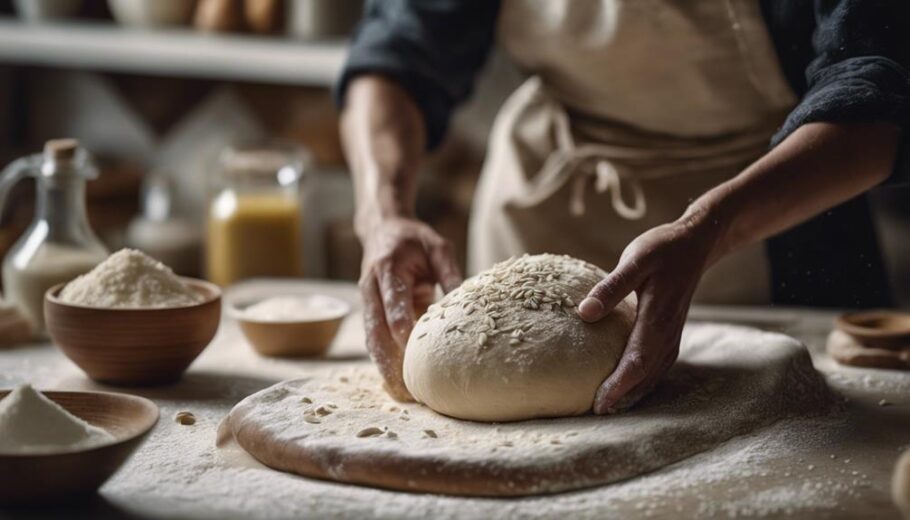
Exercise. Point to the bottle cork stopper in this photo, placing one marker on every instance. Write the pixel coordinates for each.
(61, 149)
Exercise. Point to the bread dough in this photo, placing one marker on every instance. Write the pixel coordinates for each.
(900, 485)
(508, 344)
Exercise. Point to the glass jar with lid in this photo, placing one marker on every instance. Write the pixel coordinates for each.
(255, 215)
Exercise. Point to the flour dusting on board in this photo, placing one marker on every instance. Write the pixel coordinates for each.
(762, 474)
(728, 382)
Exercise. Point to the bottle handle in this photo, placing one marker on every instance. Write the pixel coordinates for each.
(14, 172)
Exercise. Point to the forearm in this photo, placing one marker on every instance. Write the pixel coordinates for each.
(817, 167)
(384, 140)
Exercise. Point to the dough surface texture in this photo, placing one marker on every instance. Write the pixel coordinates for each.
(508, 344)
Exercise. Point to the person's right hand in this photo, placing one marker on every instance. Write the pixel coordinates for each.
(403, 260)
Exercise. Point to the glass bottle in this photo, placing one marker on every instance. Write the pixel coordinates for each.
(59, 244)
(254, 218)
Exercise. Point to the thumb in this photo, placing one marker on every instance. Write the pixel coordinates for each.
(445, 268)
(607, 294)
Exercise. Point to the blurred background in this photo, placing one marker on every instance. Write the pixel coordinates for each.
(189, 106)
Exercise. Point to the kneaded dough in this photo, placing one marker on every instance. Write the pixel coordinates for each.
(508, 344)
(900, 484)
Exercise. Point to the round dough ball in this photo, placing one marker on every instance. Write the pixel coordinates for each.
(508, 344)
(900, 484)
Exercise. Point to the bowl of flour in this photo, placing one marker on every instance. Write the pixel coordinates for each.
(132, 321)
(292, 325)
(61, 445)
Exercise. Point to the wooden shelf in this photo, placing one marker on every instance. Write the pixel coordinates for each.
(173, 52)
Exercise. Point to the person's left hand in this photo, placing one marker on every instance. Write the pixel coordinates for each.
(663, 266)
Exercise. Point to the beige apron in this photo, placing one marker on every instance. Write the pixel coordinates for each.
(634, 108)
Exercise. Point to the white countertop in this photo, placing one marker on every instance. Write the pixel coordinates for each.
(177, 473)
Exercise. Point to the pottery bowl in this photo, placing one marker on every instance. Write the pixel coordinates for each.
(297, 338)
(133, 347)
(31, 479)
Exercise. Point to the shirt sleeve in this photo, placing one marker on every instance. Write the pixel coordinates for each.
(860, 68)
(432, 48)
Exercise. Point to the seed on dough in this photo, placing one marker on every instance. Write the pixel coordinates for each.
(311, 419)
(422, 335)
(306, 400)
(482, 339)
(185, 418)
(431, 434)
(372, 431)
(322, 411)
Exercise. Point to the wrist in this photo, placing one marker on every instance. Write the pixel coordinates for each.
(710, 220)
(368, 218)
(381, 201)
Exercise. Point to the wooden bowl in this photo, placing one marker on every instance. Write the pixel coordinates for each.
(877, 329)
(302, 338)
(133, 347)
(45, 478)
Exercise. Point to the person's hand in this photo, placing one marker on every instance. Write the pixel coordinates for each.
(403, 261)
(663, 266)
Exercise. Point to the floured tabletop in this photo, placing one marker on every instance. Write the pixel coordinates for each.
(339, 425)
(835, 466)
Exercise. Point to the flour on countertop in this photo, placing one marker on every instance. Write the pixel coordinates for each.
(30, 423)
(129, 279)
(728, 381)
(177, 473)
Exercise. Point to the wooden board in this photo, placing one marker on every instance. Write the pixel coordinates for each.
(728, 381)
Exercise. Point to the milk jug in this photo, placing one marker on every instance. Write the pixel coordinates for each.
(59, 244)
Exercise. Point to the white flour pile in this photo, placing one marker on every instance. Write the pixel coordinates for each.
(312, 307)
(30, 423)
(129, 279)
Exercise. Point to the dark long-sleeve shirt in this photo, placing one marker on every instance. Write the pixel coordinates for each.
(847, 60)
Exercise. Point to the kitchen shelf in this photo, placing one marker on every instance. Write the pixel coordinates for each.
(173, 52)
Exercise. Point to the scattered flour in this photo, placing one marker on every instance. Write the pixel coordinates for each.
(129, 279)
(30, 423)
(178, 474)
(313, 307)
(729, 381)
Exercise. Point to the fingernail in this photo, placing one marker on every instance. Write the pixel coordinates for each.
(590, 309)
(604, 408)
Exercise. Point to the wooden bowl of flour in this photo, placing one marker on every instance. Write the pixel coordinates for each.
(134, 347)
(307, 334)
(46, 478)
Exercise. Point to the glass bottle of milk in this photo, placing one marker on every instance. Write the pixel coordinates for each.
(59, 244)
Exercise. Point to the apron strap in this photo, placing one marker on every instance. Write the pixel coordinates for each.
(572, 159)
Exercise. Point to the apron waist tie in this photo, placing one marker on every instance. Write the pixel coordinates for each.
(606, 177)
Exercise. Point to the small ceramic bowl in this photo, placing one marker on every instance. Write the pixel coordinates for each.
(292, 338)
(134, 347)
(877, 328)
(46, 478)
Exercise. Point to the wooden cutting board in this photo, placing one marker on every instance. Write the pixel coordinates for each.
(339, 425)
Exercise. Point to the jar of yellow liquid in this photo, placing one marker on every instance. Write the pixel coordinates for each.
(255, 218)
